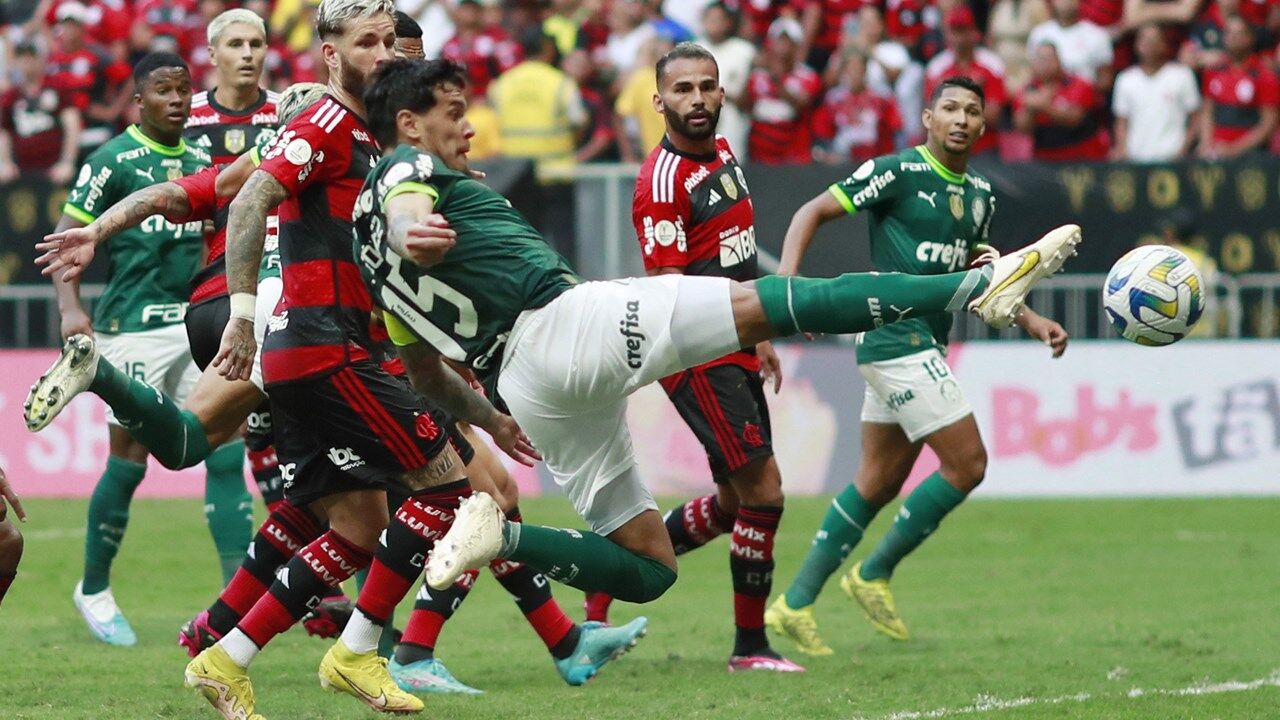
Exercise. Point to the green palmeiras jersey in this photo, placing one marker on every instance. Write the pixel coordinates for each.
(500, 266)
(924, 220)
(148, 278)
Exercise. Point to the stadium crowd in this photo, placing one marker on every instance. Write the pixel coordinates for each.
(566, 81)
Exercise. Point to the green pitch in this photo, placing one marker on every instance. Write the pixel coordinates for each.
(1105, 609)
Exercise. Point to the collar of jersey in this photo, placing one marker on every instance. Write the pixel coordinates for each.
(938, 167)
(171, 151)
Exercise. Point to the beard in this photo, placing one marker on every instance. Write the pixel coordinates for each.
(351, 79)
(679, 124)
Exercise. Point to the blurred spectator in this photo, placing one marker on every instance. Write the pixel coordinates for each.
(294, 21)
(854, 124)
(168, 21)
(780, 93)
(564, 23)
(1154, 103)
(823, 22)
(891, 71)
(486, 143)
(39, 126)
(1242, 98)
(89, 78)
(906, 20)
(598, 142)
(687, 13)
(1083, 48)
(107, 22)
(1060, 111)
(307, 66)
(1008, 29)
(758, 15)
(964, 56)
(640, 126)
(198, 59)
(485, 49)
(734, 56)
(931, 41)
(539, 107)
(628, 32)
(433, 17)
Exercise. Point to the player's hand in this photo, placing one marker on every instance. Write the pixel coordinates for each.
(508, 436)
(1050, 333)
(68, 252)
(428, 241)
(234, 360)
(7, 495)
(76, 322)
(62, 173)
(982, 254)
(770, 365)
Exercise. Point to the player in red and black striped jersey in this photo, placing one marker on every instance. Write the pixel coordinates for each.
(231, 118)
(693, 215)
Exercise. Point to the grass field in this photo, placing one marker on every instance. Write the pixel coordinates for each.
(1020, 609)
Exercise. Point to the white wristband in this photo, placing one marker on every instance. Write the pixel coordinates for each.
(244, 306)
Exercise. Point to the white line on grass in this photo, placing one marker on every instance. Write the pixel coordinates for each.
(989, 703)
(66, 533)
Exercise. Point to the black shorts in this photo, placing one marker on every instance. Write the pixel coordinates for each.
(724, 405)
(205, 324)
(360, 428)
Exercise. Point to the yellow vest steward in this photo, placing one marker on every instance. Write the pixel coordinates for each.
(532, 100)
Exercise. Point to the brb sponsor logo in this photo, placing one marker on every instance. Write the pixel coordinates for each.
(1095, 426)
(629, 328)
(345, 458)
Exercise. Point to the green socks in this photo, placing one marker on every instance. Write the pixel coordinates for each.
(587, 561)
(918, 517)
(108, 517)
(228, 507)
(858, 302)
(175, 437)
(842, 527)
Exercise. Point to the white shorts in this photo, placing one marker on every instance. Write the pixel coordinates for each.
(269, 291)
(161, 358)
(570, 366)
(917, 392)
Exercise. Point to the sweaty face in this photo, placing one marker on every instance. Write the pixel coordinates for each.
(165, 99)
(691, 97)
(448, 132)
(238, 55)
(955, 121)
(365, 43)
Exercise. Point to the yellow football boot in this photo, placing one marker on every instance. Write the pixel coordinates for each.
(364, 676)
(223, 683)
(876, 600)
(798, 625)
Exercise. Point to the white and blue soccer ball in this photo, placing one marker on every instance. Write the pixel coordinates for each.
(1154, 295)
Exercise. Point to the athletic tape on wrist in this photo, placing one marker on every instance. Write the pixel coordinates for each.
(243, 306)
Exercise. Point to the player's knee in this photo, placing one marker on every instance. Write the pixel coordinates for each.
(968, 470)
(653, 579)
(10, 546)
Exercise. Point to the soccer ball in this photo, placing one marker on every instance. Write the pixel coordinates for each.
(1154, 295)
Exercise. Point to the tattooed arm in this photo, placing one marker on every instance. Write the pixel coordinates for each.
(437, 381)
(246, 230)
(71, 246)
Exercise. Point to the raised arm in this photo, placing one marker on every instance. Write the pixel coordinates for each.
(246, 230)
(414, 231)
(70, 247)
(804, 223)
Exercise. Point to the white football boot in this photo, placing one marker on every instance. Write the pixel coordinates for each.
(68, 377)
(474, 540)
(1014, 274)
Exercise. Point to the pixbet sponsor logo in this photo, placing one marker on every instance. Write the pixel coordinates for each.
(1095, 426)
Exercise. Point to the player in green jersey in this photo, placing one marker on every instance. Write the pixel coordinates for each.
(929, 215)
(138, 321)
(564, 354)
